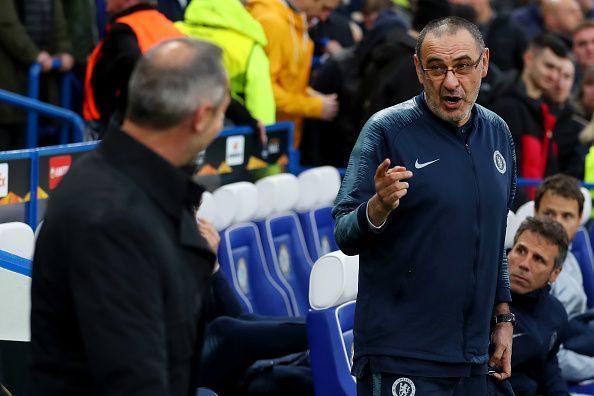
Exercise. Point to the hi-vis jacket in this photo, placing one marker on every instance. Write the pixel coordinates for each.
(227, 23)
(428, 279)
(150, 27)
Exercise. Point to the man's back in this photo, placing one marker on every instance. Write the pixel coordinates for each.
(119, 277)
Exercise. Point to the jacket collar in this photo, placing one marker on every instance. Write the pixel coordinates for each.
(170, 187)
(466, 128)
(532, 299)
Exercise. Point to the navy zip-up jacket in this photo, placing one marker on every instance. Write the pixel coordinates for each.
(428, 279)
(540, 320)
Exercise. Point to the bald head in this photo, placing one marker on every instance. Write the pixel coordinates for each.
(172, 80)
(561, 16)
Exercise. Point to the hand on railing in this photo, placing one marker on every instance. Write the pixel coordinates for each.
(62, 62)
(65, 62)
(45, 60)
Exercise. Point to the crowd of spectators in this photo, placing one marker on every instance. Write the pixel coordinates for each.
(325, 65)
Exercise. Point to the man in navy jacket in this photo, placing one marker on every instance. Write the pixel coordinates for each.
(433, 271)
(535, 261)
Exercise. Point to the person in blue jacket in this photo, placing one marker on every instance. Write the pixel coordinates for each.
(433, 271)
(535, 261)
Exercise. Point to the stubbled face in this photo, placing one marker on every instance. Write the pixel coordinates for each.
(531, 262)
(565, 211)
(583, 47)
(544, 69)
(562, 87)
(451, 97)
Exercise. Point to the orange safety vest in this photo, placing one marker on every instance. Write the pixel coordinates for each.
(150, 27)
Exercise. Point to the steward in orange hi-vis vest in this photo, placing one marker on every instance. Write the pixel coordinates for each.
(132, 33)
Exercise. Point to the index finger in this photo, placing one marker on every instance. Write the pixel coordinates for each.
(382, 168)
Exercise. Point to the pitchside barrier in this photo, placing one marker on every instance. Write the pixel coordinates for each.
(27, 177)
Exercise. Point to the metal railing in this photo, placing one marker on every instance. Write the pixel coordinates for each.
(37, 107)
(67, 81)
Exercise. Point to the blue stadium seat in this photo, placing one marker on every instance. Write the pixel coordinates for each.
(287, 257)
(581, 247)
(330, 335)
(317, 190)
(318, 231)
(584, 388)
(242, 261)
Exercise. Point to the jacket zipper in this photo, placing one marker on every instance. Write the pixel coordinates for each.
(468, 305)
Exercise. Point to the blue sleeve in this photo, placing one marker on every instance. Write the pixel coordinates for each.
(503, 292)
(351, 229)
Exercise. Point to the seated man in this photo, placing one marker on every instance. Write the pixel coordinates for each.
(536, 259)
(559, 198)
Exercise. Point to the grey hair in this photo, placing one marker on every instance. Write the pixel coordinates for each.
(450, 25)
(549, 230)
(163, 92)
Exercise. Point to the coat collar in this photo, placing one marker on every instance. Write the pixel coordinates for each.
(171, 188)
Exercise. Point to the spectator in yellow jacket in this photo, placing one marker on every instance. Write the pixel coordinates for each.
(227, 24)
(290, 53)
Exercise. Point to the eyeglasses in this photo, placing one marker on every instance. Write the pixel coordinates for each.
(460, 70)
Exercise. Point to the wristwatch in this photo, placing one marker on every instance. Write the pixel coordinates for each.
(508, 317)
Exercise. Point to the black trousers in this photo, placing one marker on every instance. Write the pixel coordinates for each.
(382, 384)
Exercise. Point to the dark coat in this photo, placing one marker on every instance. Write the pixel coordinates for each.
(506, 41)
(540, 320)
(572, 154)
(18, 52)
(525, 119)
(118, 56)
(120, 278)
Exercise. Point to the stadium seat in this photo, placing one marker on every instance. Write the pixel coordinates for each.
(581, 247)
(524, 211)
(287, 257)
(282, 237)
(587, 211)
(240, 251)
(510, 230)
(583, 388)
(15, 299)
(330, 323)
(18, 239)
(333, 280)
(318, 188)
(235, 203)
(208, 208)
(242, 261)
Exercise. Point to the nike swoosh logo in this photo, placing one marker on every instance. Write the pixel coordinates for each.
(518, 335)
(424, 164)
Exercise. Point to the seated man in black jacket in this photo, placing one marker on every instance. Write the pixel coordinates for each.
(535, 261)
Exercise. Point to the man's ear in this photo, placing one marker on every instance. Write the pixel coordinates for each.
(527, 57)
(417, 63)
(202, 116)
(554, 274)
(485, 62)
